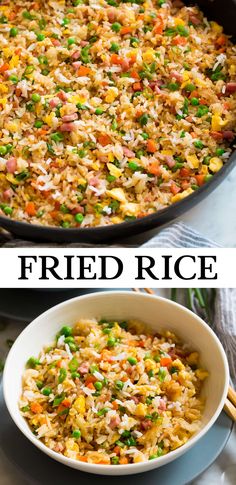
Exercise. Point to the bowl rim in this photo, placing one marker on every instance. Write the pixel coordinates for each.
(132, 467)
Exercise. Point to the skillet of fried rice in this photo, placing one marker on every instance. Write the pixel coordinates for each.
(113, 393)
(110, 111)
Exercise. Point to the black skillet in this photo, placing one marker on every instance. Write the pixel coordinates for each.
(225, 14)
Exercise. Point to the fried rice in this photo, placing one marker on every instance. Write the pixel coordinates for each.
(113, 393)
(110, 110)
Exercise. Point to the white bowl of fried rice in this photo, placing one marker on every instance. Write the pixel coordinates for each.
(116, 383)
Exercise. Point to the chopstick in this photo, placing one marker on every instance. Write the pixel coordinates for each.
(230, 403)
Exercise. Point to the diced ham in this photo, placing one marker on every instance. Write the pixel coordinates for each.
(78, 210)
(54, 102)
(146, 424)
(83, 43)
(154, 85)
(115, 421)
(58, 447)
(230, 88)
(162, 405)
(7, 194)
(67, 127)
(177, 76)
(135, 399)
(55, 42)
(83, 368)
(94, 181)
(76, 64)
(128, 153)
(62, 95)
(228, 135)
(125, 64)
(194, 19)
(71, 117)
(11, 165)
(112, 14)
(75, 55)
(103, 158)
(170, 161)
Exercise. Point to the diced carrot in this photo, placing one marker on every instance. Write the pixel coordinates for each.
(102, 461)
(221, 40)
(90, 385)
(151, 146)
(54, 214)
(115, 59)
(174, 188)
(58, 364)
(18, 92)
(117, 450)
(115, 405)
(132, 58)
(194, 94)
(227, 105)
(104, 140)
(36, 408)
(154, 168)
(135, 75)
(83, 71)
(165, 361)
(60, 408)
(137, 87)
(217, 135)
(125, 30)
(184, 172)
(185, 185)
(90, 379)
(4, 67)
(193, 134)
(123, 460)
(179, 41)
(66, 403)
(12, 16)
(140, 16)
(138, 113)
(18, 51)
(159, 25)
(82, 458)
(200, 179)
(203, 101)
(30, 208)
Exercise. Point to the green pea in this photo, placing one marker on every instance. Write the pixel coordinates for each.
(66, 331)
(206, 160)
(73, 346)
(145, 136)
(43, 60)
(114, 47)
(73, 365)
(119, 385)
(132, 360)
(79, 218)
(25, 409)
(76, 434)
(75, 375)
(103, 411)
(133, 166)
(208, 177)
(65, 21)
(39, 384)
(220, 152)
(115, 460)
(47, 391)
(93, 368)
(14, 79)
(143, 120)
(116, 27)
(173, 86)
(189, 88)
(134, 41)
(65, 224)
(36, 97)
(32, 362)
(13, 32)
(3, 150)
(58, 399)
(111, 178)
(38, 124)
(98, 385)
(111, 342)
(99, 111)
(71, 41)
(62, 375)
(151, 373)
(202, 110)
(7, 210)
(57, 137)
(194, 101)
(198, 144)
(40, 37)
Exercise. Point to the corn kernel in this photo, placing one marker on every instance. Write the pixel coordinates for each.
(141, 409)
(201, 374)
(117, 194)
(216, 27)
(182, 195)
(193, 161)
(79, 404)
(215, 164)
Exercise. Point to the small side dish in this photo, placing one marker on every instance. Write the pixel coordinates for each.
(113, 393)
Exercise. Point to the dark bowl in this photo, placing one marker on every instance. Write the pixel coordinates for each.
(225, 14)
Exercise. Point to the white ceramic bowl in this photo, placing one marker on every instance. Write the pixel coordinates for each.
(155, 311)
